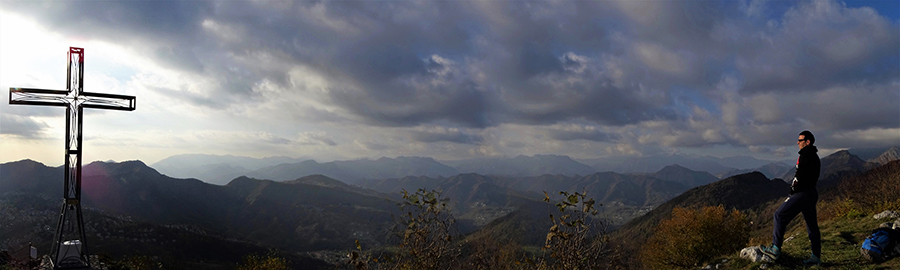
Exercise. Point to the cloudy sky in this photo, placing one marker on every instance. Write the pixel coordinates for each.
(456, 79)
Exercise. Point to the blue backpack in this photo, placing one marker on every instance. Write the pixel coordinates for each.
(879, 245)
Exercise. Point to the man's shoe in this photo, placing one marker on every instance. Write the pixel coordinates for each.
(813, 260)
(771, 252)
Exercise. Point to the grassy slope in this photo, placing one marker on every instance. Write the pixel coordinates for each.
(841, 240)
(842, 236)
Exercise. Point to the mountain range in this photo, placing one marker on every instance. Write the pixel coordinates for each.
(481, 199)
(351, 171)
(213, 168)
(646, 164)
(221, 169)
(751, 191)
(522, 166)
(317, 212)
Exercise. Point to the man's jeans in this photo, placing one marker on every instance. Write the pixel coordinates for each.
(801, 202)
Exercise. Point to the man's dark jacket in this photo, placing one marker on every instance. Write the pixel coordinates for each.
(808, 167)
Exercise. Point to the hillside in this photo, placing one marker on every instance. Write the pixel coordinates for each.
(742, 192)
(25, 217)
(609, 187)
(310, 213)
(526, 226)
(299, 216)
(759, 197)
(31, 177)
(684, 176)
(843, 229)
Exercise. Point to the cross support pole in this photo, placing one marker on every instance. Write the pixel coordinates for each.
(70, 249)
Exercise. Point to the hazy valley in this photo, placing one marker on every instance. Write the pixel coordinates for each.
(312, 211)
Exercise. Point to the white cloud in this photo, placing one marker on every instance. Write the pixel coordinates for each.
(872, 136)
(662, 59)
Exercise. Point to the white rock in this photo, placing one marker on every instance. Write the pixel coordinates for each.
(754, 254)
(897, 225)
(886, 214)
(764, 266)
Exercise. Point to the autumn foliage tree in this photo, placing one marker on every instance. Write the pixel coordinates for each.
(694, 236)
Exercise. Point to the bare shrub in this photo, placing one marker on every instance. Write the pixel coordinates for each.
(427, 231)
(577, 239)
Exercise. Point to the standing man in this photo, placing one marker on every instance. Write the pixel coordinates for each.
(802, 200)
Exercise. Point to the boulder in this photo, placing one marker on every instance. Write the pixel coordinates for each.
(897, 225)
(887, 214)
(754, 254)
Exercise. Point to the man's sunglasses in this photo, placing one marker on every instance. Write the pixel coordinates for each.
(800, 140)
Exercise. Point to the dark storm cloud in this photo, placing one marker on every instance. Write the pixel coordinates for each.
(380, 52)
(582, 134)
(23, 127)
(481, 64)
(170, 32)
(446, 135)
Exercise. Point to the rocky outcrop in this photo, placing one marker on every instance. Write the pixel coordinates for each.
(887, 214)
(754, 254)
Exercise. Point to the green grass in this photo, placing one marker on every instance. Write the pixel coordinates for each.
(841, 240)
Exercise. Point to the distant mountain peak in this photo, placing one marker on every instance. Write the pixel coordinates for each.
(27, 161)
(675, 167)
(112, 168)
(845, 156)
(889, 155)
(844, 152)
(414, 158)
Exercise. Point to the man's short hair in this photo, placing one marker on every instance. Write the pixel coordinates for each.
(808, 135)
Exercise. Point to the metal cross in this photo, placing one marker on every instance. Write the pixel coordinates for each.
(70, 251)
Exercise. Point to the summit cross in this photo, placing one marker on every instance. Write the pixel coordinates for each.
(69, 246)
